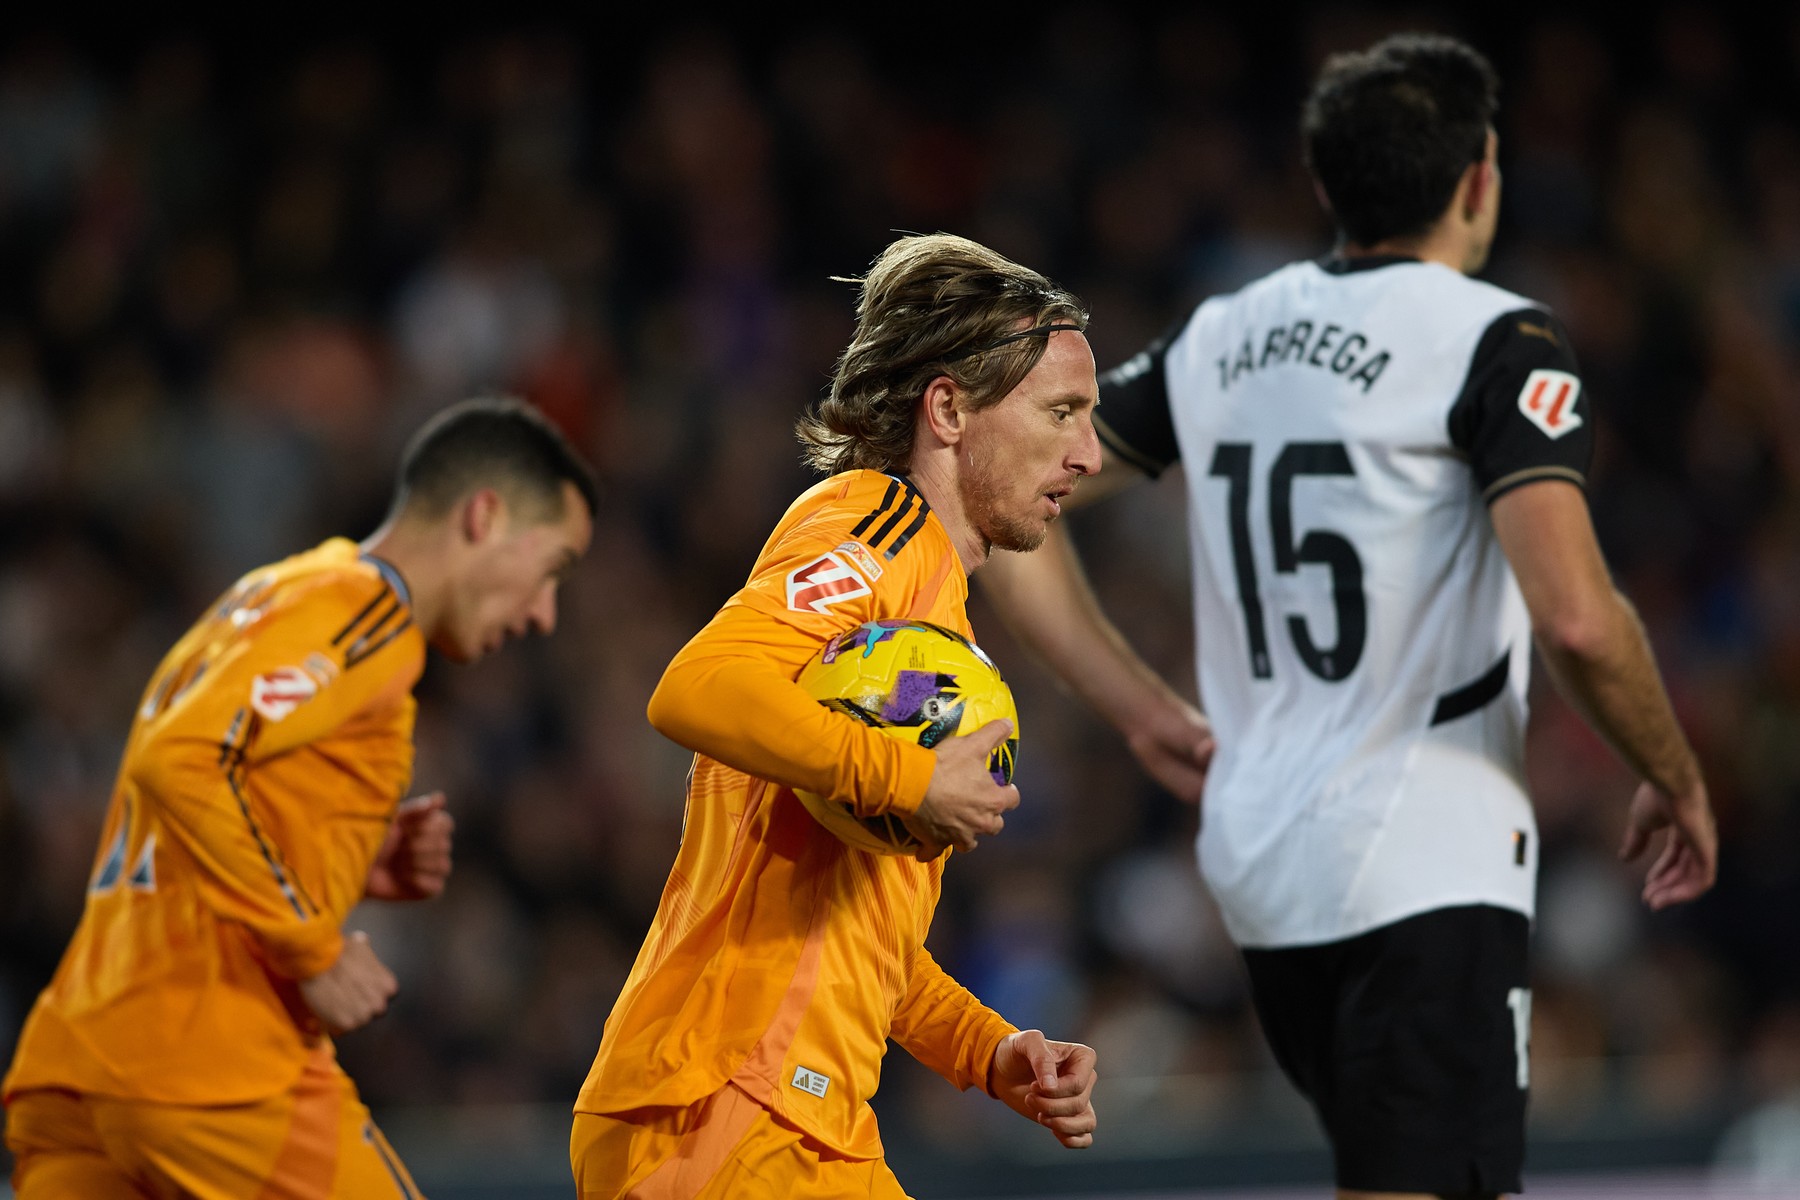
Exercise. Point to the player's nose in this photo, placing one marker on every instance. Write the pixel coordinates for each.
(543, 611)
(1084, 458)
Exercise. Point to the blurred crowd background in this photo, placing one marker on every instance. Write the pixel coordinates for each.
(236, 271)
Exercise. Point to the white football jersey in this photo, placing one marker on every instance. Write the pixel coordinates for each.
(1362, 644)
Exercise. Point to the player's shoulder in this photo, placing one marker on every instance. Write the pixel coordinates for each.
(1457, 297)
(855, 534)
(335, 572)
(883, 513)
(333, 589)
(1492, 297)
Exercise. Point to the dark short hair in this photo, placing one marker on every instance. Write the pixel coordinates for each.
(932, 304)
(1388, 131)
(497, 442)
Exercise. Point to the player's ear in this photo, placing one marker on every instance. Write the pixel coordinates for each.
(1323, 199)
(942, 410)
(479, 513)
(1480, 180)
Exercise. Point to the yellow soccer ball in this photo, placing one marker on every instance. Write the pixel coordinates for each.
(911, 680)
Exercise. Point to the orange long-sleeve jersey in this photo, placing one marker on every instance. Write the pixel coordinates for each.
(781, 959)
(266, 760)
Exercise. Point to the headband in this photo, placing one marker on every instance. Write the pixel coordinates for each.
(1040, 331)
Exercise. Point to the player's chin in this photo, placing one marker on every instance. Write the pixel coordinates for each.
(458, 650)
(1021, 536)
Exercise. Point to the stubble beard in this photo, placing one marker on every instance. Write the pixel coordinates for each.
(981, 503)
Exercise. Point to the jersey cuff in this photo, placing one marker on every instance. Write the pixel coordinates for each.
(303, 958)
(913, 770)
(1507, 483)
(1118, 446)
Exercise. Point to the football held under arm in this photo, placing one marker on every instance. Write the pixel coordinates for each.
(731, 695)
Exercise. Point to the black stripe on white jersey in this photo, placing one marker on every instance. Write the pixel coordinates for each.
(1476, 695)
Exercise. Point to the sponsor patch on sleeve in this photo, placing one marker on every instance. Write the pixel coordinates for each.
(862, 558)
(322, 669)
(1548, 401)
(823, 582)
(277, 693)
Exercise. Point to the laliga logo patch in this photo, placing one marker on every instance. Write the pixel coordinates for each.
(1548, 399)
(281, 691)
(825, 581)
(861, 558)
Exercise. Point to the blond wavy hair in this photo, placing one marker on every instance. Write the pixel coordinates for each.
(931, 305)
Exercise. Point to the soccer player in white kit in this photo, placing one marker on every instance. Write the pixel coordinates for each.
(1385, 463)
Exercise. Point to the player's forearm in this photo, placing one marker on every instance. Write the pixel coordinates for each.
(942, 1024)
(1045, 600)
(1605, 669)
(745, 713)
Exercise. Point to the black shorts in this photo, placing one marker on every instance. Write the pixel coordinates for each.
(1410, 1042)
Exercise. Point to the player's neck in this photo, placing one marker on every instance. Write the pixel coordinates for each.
(414, 553)
(1443, 243)
(934, 474)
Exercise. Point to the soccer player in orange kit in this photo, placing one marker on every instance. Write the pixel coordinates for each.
(740, 1057)
(183, 1047)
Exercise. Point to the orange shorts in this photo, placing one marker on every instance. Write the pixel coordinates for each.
(314, 1142)
(726, 1147)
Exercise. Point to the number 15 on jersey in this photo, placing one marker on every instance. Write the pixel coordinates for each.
(1234, 462)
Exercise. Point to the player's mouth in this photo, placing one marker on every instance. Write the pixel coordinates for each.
(1055, 497)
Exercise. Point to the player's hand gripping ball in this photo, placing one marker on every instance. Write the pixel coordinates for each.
(911, 680)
